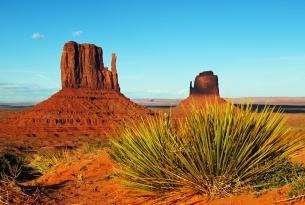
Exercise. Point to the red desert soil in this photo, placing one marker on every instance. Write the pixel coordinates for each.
(89, 179)
(5, 113)
(74, 112)
(68, 115)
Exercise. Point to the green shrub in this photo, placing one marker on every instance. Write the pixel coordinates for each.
(215, 150)
(297, 188)
(282, 173)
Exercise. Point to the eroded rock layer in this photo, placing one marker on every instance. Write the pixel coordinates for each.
(75, 112)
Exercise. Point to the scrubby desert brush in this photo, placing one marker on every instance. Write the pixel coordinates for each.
(297, 188)
(10, 164)
(43, 162)
(215, 151)
(283, 173)
(11, 192)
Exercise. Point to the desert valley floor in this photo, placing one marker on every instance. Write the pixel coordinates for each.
(87, 175)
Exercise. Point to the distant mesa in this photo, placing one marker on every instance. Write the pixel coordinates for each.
(206, 83)
(89, 103)
(205, 90)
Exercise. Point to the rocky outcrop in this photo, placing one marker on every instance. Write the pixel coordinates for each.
(89, 103)
(82, 66)
(205, 90)
(206, 83)
(75, 112)
(114, 73)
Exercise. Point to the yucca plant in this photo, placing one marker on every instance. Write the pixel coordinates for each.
(217, 149)
(146, 153)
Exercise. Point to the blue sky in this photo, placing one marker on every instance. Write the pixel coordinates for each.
(256, 47)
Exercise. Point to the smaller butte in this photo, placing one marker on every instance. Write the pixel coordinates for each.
(205, 90)
(206, 83)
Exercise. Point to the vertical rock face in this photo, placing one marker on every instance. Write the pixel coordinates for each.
(114, 73)
(206, 83)
(82, 66)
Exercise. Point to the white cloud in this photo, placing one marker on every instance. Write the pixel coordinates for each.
(37, 36)
(77, 33)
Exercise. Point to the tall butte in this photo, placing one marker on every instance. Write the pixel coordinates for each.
(82, 66)
(205, 89)
(89, 103)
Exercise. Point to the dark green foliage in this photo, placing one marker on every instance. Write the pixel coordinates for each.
(297, 188)
(282, 173)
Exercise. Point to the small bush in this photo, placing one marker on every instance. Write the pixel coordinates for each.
(297, 188)
(282, 173)
(10, 165)
(216, 150)
(43, 162)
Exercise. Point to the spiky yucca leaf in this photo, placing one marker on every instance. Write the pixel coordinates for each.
(216, 149)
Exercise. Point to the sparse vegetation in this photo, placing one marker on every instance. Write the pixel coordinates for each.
(297, 188)
(215, 151)
(282, 173)
(10, 165)
(45, 161)
(11, 192)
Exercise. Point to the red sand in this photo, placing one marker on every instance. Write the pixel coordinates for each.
(74, 112)
(88, 180)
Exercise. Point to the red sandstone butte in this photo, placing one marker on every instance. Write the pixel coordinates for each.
(82, 66)
(205, 90)
(89, 103)
(206, 83)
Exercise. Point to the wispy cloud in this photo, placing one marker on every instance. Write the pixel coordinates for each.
(77, 33)
(37, 36)
(11, 92)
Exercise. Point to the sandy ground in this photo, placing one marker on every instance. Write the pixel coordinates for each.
(90, 179)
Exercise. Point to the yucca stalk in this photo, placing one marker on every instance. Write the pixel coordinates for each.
(217, 149)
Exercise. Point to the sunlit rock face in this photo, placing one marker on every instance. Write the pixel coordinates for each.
(82, 66)
(206, 83)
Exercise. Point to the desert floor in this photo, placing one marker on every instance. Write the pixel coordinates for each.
(88, 176)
